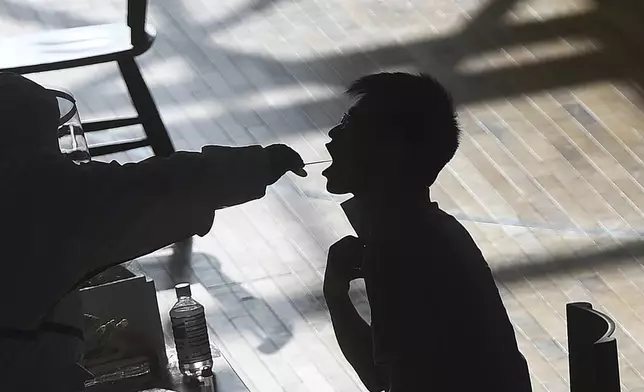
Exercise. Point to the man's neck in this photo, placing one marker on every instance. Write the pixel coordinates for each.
(368, 210)
(377, 201)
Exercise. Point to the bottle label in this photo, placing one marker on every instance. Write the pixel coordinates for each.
(191, 338)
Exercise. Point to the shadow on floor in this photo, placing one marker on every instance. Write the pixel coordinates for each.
(614, 256)
(234, 299)
(251, 8)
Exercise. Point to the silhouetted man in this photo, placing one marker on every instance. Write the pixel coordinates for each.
(62, 223)
(437, 319)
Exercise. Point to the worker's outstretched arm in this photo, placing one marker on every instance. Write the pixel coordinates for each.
(126, 211)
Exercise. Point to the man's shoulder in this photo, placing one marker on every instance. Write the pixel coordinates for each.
(446, 226)
(437, 235)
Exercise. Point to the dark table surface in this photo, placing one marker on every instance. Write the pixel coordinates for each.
(171, 379)
(226, 379)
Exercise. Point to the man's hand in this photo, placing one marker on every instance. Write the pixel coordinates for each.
(343, 265)
(283, 159)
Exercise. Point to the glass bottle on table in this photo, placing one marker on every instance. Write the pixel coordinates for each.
(190, 333)
(207, 380)
(71, 137)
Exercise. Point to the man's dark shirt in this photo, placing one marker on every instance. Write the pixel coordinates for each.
(436, 310)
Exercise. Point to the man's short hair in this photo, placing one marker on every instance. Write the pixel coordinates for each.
(417, 107)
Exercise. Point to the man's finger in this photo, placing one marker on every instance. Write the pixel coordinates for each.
(283, 159)
(296, 163)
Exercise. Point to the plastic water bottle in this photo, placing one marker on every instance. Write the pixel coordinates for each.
(190, 333)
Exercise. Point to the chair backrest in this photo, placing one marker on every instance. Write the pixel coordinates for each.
(137, 11)
(592, 350)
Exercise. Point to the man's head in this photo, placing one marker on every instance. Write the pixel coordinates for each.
(400, 133)
(28, 116)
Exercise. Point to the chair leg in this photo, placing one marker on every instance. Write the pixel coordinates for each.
(146, 108)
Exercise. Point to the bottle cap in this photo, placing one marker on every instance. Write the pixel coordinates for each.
(183, 290)
(206, 372)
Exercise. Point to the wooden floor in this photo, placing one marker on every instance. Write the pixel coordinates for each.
(549, 178)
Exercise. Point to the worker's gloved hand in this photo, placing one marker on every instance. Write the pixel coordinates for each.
(283, 159)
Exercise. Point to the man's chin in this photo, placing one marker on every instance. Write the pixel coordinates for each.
(334, 184)
(335, 188)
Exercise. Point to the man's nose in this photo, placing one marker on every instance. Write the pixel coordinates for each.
(334, 130)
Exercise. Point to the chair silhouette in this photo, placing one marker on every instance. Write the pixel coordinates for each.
(88, 45)
(592, 350)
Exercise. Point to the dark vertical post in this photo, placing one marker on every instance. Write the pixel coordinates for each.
(607, 365)
(147, 109)
(592, 350)
(136, 18)
(579, 347)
